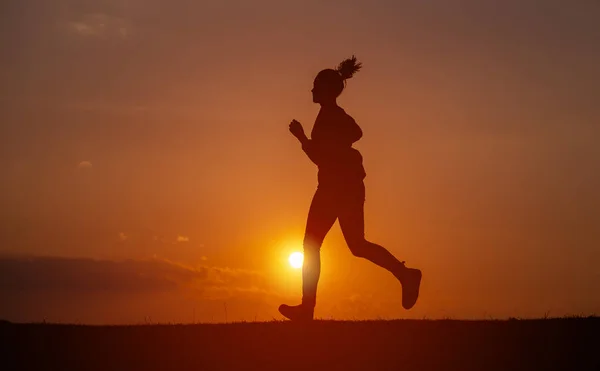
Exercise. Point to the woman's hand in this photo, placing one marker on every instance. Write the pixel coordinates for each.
(297, 130)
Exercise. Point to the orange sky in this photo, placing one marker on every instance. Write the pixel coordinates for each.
(158, 130)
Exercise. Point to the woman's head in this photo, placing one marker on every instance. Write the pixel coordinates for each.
(329, 83)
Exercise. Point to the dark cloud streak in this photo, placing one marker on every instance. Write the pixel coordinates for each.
(105, 291)
(88, 276)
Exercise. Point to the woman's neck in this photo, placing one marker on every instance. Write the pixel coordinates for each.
(329, 104)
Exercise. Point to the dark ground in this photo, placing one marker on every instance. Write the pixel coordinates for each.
(545, 344)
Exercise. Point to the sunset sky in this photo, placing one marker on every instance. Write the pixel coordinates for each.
(147, 171)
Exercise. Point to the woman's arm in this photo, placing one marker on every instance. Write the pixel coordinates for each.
(307, 144)
(310, 150)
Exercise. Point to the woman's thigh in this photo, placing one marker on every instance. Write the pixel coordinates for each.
(322, 215)
(351, 214)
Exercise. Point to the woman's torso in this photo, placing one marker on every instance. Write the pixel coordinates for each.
(332, 135)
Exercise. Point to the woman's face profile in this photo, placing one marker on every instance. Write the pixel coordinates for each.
(327, 86)
(320, 90)
(316, 92)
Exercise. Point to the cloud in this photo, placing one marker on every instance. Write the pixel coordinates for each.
(67, 286)
(130, 276)
(99, 25)
(183, 238)
(84, 165)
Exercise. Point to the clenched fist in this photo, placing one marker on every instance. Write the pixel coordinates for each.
(297, 130)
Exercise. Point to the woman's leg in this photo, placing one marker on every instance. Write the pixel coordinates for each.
(352, 222)
(321, 217)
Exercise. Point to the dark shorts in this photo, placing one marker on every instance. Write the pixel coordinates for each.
(332, 202)
(342, 192)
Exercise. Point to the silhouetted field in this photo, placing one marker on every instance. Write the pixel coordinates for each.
(546, 344)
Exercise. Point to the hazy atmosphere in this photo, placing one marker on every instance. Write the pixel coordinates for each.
(147, 172)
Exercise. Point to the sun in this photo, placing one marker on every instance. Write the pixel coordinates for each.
(296, 259)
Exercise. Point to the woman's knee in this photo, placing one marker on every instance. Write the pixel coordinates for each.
(312, 243)
(358, 247)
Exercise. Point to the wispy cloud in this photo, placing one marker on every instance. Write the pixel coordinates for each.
(99, 25)
(181, 238)
(84, 165)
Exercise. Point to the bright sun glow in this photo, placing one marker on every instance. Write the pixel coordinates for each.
(296, 259)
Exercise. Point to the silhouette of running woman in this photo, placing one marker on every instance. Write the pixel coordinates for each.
(340, 193)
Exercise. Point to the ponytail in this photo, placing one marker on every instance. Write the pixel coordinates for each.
(348, 68)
